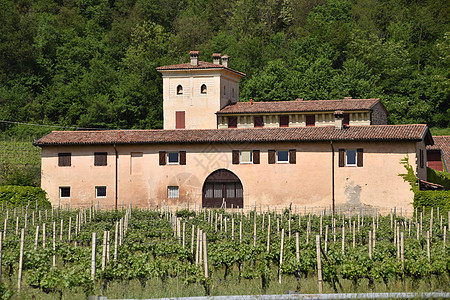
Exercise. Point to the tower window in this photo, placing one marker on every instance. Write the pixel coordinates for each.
(232, 93)
(179, 89)
(224, 90)
(204, 89)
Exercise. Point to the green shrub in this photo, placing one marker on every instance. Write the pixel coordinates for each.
(15, 174)
(16, 196)
(434, 199)
(439, 177)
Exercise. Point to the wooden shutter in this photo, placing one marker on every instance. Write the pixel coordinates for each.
(179, 120)
(292, 156)
(162, 158)
(271, 156)
(359, 157)
(284, 121)
(235, 157)
(182, 157)
(341, 157)
(232, 122)
(64, 159)
(100, 158)
(256, 157)
(421, 158)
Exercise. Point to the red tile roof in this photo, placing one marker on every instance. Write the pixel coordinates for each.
(442, 143)
(415, 132)
(299, 106)
(201, 65)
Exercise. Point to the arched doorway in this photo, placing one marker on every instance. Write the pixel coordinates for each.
(222, 186)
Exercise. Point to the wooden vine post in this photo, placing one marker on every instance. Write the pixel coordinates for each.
(205, 255)
(94, 248)
(319, 265)
(54, 243)
(19, 277)
(1, 250)
(281, 254)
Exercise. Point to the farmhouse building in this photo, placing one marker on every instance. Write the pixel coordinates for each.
(216, 151)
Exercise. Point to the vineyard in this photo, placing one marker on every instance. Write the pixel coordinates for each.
(19, 150)
(70, 254)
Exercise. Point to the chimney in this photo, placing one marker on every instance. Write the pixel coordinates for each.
(194, 58)
(251, 101)
(339, 119)
(347, 98)
(225, 61)
(216, 58)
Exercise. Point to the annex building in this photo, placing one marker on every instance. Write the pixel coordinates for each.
(215, 150)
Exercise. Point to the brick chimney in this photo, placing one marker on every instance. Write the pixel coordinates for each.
(339, 119)
(216, 58)
(225, 61)
(194, 58)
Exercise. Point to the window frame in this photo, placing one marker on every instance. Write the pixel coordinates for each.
(60, 192)
(97, 188)
(170, 193)
(346, 158)
(245, 162)
(98, 159)
(177, 155)
(281, 161)
(62, 157)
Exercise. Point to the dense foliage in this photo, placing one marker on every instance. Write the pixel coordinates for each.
(92, 63)
(17, 196)
(434, 199)
(439, 177)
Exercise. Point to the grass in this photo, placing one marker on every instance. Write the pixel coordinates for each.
(439, 131)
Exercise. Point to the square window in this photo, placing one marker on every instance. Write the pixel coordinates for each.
(100, 192)
(246, 157)
(64, 159)
(64, 191)
(232, 122)
(284, 121)
(173, 192)
(283, 156)
(172, 158)
(350, 157)
(258, 121)
(100, 158)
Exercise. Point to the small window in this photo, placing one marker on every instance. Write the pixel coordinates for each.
(232, 93)
(346, 121)
(64, 192)
(232, 122)
(173, 158)
(173, 192)
(350, 158)
(179, 89)
(64, 159)
(421, 158)
(282, 156)
(180, 120)
(258, 121)
(204, 89)
(284, 121)
(100, 192)
(246, 157)
(224, 90)
(310, 120)
(100, 158)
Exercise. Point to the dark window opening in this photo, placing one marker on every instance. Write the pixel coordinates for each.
(284, 121)
(179, 89)
(64, 192)
(100, 158)
(310, 120)
(258, 121)
(100, 191)
(204, 89)
(346, 120)
(232, 122)
(64, 159)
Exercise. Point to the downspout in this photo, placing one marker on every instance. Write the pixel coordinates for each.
(332, 176)
(116, 172)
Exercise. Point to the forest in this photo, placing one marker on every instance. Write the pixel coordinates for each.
(91, 63)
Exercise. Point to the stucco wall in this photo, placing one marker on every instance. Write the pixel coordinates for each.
(144, 182)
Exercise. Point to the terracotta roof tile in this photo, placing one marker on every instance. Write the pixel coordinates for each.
(442, 143)
(413, 132)
(296, 106)
(201, 65)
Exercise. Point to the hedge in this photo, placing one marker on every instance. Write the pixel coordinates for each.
(434, 199)
(16, 196)
(439, 177)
